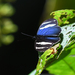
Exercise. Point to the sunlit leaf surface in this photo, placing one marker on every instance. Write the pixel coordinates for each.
(65, 64)
(62, 16)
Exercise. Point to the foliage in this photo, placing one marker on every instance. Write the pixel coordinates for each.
(62, 62)
(66, 55)
(62, 16)
(6, 25)
(44, 58)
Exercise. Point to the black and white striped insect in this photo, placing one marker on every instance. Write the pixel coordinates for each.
(47, 35)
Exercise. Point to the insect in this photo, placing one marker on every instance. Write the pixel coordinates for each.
(47, 35)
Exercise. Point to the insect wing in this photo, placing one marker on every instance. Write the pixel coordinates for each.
(49, 28)
(47, 35)
(44, 43)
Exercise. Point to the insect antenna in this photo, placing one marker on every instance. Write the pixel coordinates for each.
(28, 35)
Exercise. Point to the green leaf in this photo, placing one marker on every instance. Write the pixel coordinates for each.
(42, 61)
(65, 64)
(68, 32)
(62, 16)
(45, 57)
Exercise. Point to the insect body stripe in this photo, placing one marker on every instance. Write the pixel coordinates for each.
(41, 47)
(46, 23)
(43, 43)
(49, 25)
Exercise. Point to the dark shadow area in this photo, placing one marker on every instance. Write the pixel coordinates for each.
(20, 57)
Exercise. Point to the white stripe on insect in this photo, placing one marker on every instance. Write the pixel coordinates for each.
(49, 25)
(46, 22)
(43, 43)
(41, 47)
(54, 20)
